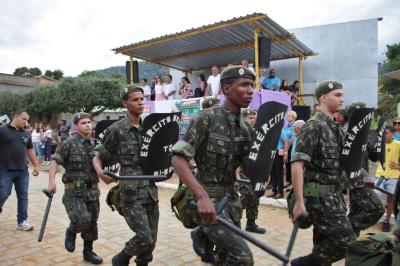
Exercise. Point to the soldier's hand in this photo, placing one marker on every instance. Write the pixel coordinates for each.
(298, 210)
(106, 179)
(369, 184)
(35, 171)
(206, 209)
(52, 188)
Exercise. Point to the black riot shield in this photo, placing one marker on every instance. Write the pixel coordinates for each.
(355, 143)
(101, 128)
(381, 142)
(160, 132)
(269, 123)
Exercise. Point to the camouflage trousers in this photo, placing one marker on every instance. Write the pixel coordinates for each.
(249, 200)
(231, 249)
(332, 229)
(83, 211)
(142, 218)
(365, 208)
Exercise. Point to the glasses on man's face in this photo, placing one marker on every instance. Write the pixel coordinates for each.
(396, 123)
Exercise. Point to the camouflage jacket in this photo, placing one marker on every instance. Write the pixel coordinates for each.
(76, 155)
(122, 142)
(319, 144)
(218, 140)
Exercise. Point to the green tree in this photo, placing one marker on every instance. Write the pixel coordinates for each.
(28, 72)
(11, 102)
(48, 73)
(57, 74)
(389, 89)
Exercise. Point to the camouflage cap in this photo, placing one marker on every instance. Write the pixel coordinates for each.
(81, 115)
(237, 72)
(327, 86)
(247, 111)
(128, 90)
(209, 101)
(349, 110)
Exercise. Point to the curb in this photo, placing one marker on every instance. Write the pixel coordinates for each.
(280, 203)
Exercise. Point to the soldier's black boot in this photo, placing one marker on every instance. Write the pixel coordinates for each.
(251, 226)
(209, 256)
(305, 261)
(70, 240)
(89, 255)
(198, 239)
(121, 259)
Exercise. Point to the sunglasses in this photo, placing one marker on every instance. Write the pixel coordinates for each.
(396, 123)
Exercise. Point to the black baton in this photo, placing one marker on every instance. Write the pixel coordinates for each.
(155, 178)
(293, 236)
(380, 180)
(46, 213)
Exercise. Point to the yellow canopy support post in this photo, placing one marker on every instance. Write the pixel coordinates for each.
(301, 100)
(256, 62)
(131, 69)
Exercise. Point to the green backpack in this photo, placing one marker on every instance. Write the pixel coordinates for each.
(370, 250)
(180, 205)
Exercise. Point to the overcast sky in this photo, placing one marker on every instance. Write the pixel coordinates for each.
(77, 35)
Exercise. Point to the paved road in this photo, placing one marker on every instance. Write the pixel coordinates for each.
(173, 245)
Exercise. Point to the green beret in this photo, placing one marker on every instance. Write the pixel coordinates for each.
(352, 107)
(327, 86)
(81, 115)
(237, 72)
(209, 101)
(128, 90)
(246, 112)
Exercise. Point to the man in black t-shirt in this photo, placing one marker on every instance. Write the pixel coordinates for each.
(15, 145)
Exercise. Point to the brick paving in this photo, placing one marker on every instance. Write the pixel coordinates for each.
(173, 245)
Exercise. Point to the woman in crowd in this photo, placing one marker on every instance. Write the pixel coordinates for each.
(185, 90)
(159, 89)
(288, 141)
(37, 142)
(284, 86)
(47, 138)
(202, 86)
(295, 90)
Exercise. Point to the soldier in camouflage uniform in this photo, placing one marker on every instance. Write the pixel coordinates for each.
(218, 139)
(317, 180)
(81, 196)
(249, 199)
(139, 199)
(365, 206)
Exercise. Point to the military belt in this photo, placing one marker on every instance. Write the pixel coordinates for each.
(88, 186)
(313, 189)
(218, 192)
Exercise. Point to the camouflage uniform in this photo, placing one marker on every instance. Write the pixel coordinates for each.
(319, 144)
(249, 200)
(139, 199)
(81, 196)
(365, 206)
(218, 140)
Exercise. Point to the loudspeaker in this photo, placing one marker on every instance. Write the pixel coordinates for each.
(303, 112)
(264, 51)
(135, 72)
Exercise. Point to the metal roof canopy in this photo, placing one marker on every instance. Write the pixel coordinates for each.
(220, 44)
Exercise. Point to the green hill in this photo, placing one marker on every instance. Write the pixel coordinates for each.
(146, 70)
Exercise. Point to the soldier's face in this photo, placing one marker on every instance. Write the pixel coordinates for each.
(251, 119)
(333, 100)
(134, 103)
(240, 92)
(84, 127)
